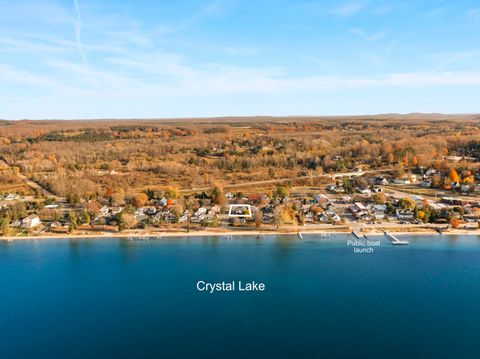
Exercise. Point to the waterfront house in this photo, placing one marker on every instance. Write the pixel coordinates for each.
(404, 215)
(268, 218)
(184, 217)
(323, 217)
(115, 210)
(334, 216)
(104, 210)
(31, 221)
(201, 210)
(139, 215)
(56, 224)
(379, 211)
(358, 210)
(309, 217)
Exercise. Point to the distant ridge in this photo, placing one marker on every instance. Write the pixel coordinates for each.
(264, 118)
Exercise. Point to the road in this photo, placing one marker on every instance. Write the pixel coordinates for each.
(281, 180)
(411, 191)
(34, 185)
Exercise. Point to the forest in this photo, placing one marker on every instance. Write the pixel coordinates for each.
(119, 159)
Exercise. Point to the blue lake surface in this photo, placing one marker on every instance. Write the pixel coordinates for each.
(113, 298)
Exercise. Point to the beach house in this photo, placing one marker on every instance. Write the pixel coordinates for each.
(31, 221)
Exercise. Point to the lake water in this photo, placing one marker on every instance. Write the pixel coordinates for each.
(113, 298)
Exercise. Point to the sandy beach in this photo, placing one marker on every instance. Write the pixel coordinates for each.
(224, 233)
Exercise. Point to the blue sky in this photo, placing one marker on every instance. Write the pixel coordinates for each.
(133, 59)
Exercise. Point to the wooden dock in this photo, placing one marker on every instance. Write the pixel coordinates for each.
(395, 240)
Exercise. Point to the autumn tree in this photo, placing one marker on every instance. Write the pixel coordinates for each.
(5, 224)
(84, 217)
(414, 161)
(453, 175)
(73, 222)
(125, 220)
(172, 192)
(140, 199)
(407, 203)
(218, 197)
(282, 191)
(447, 183)
(399, 170)
(379, 198)
(454, 222)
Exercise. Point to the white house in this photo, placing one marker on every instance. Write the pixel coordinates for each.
(51, 206)
(11, 197)
(365, 191)
(115, 210)
(331, 188)
(380, 180)
(104, 210)
(31, 221)
(401, 181)
(201, 210)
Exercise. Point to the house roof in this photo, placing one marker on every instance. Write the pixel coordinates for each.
(30, 217)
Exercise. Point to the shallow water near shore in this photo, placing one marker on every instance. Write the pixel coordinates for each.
(114, 298)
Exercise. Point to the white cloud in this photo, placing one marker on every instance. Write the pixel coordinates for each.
(78, 33)
(450, 58)
(368, 37)
(348, 9)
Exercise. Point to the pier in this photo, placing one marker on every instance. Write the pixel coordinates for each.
(395, 240)
(356, 235)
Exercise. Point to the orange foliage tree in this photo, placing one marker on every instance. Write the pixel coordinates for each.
(453, 175)
(455, 223)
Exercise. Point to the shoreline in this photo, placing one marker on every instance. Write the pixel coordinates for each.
(206, 233)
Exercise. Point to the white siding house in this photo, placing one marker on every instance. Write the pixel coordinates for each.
(31, 221)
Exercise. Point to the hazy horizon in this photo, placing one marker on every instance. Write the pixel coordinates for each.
(220, 117)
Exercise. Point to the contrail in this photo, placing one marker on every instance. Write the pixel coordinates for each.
(78, 34)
